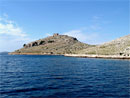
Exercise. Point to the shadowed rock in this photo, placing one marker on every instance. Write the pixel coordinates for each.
(42, 43)
(34, 44)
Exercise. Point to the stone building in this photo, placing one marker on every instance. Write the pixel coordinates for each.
(55, 34)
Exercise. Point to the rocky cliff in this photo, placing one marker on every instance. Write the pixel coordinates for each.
(56, 44)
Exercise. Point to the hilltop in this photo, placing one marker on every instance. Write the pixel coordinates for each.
(56, 44)
(120, 46)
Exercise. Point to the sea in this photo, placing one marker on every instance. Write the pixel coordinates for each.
(51, 76)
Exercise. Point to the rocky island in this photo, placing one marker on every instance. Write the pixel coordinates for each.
(55, 45)
(70, 46)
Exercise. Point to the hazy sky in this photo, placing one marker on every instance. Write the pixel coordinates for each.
(91, 21)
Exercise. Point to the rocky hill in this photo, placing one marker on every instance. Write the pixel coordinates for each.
(120, 46)
(56, 44)
(63, 44)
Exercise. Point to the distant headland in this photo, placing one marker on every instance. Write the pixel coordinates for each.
(69, 46)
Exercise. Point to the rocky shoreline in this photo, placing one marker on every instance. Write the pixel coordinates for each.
(78, 55)
(12, 53)
(98, 56)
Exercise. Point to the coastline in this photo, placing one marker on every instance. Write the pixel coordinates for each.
(98, 56)
(77, 55)
(12, 53)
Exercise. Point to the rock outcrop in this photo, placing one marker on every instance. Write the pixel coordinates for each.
(126, 52)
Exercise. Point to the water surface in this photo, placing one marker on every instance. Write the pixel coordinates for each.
(36, 76)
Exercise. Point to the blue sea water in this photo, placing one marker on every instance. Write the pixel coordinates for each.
(37, 76)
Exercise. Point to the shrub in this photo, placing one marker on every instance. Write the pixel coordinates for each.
(50, 41)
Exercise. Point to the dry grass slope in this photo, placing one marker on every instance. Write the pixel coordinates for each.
(120, 46)
(56, 44)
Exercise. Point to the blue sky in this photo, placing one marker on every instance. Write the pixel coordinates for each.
(91, 21)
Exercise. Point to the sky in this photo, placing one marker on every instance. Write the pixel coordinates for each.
(90, 21)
